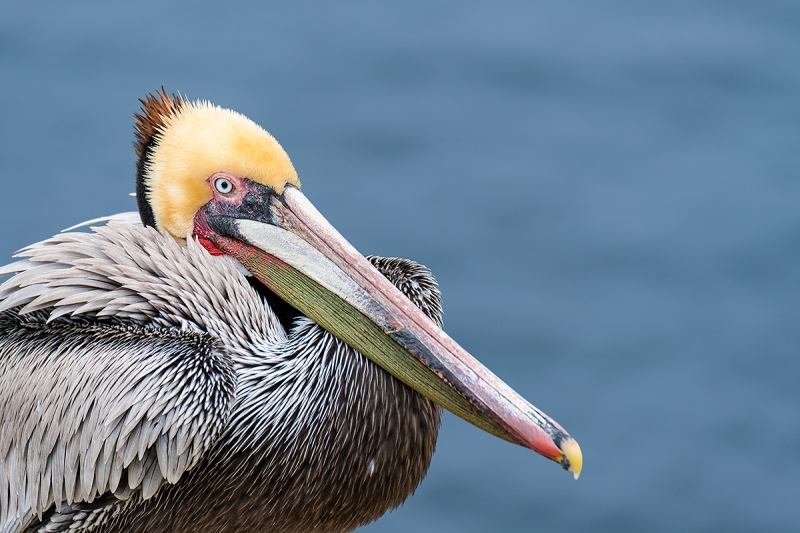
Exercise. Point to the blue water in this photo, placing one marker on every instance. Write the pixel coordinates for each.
(608, 193)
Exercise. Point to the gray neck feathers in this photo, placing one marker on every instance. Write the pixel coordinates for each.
(125, 272)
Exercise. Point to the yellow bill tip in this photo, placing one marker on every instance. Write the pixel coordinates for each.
(572, 452)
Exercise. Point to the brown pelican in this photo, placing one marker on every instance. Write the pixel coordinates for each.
(229, 362)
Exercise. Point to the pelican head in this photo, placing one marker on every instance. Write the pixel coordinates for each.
(211, 174)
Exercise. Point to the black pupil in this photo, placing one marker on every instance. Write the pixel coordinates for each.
(224, 185)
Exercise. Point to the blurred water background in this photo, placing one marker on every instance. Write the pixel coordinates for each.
(607, 192)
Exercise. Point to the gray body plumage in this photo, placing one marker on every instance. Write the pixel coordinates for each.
(146, 386)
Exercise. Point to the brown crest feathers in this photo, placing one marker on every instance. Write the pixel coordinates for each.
(155, 108)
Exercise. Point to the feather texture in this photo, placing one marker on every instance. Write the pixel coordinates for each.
(101, 389)
(110, 381)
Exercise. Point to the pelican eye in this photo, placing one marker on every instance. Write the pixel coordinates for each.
(222, 185)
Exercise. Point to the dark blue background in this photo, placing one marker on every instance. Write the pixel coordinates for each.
(608, 193)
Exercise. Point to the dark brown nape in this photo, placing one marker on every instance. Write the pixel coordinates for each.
(155, 108)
